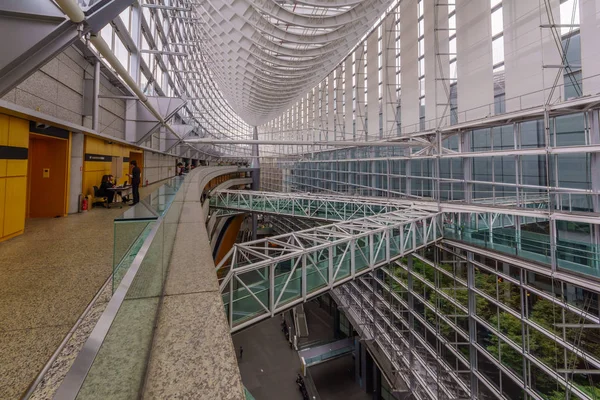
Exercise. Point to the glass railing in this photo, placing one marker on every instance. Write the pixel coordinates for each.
(113, 361)
(132, 227)
(570, 255)
(329, 355)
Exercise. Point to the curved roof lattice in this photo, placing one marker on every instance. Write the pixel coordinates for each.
(265, 54)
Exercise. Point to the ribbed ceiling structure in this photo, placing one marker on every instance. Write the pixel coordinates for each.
(265, 54)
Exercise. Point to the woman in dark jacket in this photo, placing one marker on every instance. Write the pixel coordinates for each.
(103, 190)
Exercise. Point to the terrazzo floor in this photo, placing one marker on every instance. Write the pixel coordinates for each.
(48, 277)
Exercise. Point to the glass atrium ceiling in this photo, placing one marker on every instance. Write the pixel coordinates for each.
(265, 54)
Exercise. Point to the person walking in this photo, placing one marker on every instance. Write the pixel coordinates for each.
(135, 181)
(241, 352)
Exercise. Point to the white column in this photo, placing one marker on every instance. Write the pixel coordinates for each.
(527, 48)
(339, 114)
(373, 86)
(310, 123)
(474, 59)
(330, 114)
(590, 52)
(389, 76)
(360, 93)
(409, 73)
(75, 171)
(348, 115)
(437, 68)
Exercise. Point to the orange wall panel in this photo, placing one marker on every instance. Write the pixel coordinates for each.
(228, 238)
(48, 194)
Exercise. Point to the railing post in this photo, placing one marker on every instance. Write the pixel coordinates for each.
(388, 233)
(330, 270)
(371, 254)
(272, 289)
(304, 278)
(231, 301)
(352, 258)
(401, 247)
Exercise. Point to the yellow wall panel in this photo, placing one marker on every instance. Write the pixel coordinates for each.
(2, 208)
(3, 168)
(94, 170)
(15, 199)
(16, 167)
(18, 132)
(3, 130)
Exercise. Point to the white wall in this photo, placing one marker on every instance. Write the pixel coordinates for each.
(474, 59)
(527, 49)
(410, 53)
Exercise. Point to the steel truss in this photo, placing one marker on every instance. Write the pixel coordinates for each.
(502, 224)
(304, 205)
(261, 278)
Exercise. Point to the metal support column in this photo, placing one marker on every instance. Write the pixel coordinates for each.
(594, 132)
(255, 166)
(95, 97)
(464, 147)
(472, 308)
(411, 319)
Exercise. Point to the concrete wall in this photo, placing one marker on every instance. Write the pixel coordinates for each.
(57, 90)
(157, 167)
(76, 171)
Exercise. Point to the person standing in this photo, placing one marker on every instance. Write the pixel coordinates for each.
(241, 352)
(135, 181)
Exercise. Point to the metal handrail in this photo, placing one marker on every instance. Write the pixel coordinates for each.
(69, 389)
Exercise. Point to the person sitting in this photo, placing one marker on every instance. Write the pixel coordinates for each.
(113, 181)
(104, 192)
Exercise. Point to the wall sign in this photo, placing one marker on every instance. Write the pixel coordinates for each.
(98, 157)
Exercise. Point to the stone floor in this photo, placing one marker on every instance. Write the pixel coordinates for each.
(49, 276)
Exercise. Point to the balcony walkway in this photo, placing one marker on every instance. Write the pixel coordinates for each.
(261, 278)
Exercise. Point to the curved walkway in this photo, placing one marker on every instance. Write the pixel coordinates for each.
(193, 355)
